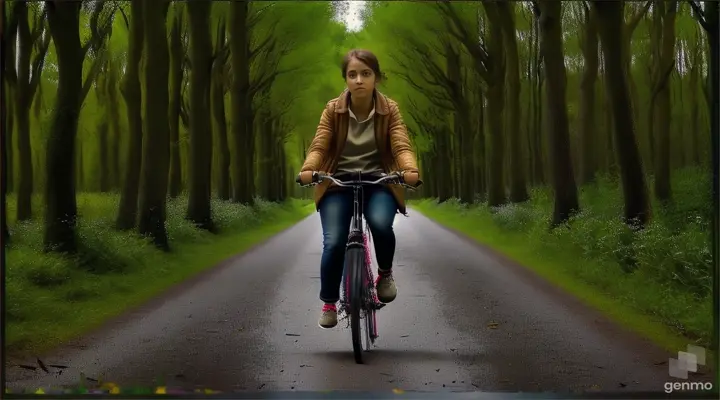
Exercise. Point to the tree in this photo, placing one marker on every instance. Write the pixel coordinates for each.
(131, 91)
(156, 140)
(26, 86)
(60, 203)
(563, 182)
(663, 43)
(637, 205)
(200, 160)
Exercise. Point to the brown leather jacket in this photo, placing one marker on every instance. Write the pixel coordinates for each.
(390, 134)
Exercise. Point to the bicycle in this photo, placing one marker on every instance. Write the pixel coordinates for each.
(359, 298)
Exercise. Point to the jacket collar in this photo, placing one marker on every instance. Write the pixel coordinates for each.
(381, 104)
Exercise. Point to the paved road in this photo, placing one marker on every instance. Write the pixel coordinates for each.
(251, 324)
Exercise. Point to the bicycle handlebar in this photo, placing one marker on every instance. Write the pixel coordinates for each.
(318, 177)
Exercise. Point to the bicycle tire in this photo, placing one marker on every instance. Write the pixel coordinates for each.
(355, 266)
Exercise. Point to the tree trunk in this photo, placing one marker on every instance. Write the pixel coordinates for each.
(479, 143)
(177, 54)
(4, 126)
(114, 121)
(496, 104)
(563, 178)
(60, 203)
(23, 100)
(132, 94)
(156, 141)
(516, 158)
(242, 158)
(637, 206)
(663, 65)
(588, 162)
(103, 130)
(217, 92)
(200, 154)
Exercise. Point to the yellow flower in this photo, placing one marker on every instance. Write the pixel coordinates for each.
(115, 390)
(160, 390)
(398, 391)
(40, 391)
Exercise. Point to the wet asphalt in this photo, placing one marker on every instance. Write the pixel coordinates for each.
(465, 319)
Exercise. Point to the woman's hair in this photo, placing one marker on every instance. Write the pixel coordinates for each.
(367, 57)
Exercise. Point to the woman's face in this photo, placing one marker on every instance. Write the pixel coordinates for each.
(360, 79)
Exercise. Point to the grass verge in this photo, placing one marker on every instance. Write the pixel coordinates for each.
(657, 282)
(51, 298)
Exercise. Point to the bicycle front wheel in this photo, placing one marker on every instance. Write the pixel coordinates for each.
(355, 273)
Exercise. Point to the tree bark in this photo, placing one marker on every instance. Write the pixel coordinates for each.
(60, 202)
(637, 205)
(589, 45)
(177, 53)
(563, 178)
(200, 155)
(516, 158)
(242, 158)
(132, 94)
(156, 141)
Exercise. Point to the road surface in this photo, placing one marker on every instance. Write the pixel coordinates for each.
(464, 320)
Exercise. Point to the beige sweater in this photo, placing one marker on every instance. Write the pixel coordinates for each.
(360, 152)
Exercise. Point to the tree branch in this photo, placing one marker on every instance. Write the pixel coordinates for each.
(699, 15)
(39, 62)
(457, 29)
(635, 19)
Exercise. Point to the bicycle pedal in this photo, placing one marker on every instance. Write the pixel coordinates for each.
(378, 306)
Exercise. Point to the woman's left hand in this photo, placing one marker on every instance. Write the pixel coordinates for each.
(411, 178)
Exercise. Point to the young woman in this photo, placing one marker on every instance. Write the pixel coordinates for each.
(360, 130)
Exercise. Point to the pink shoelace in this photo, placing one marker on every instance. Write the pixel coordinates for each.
(329, 307)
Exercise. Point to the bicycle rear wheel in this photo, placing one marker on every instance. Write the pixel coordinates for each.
(355, 283)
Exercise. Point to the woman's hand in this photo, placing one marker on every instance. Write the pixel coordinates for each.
(411, 178)
(306, 177)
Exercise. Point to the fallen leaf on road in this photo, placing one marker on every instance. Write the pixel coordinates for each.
(305, 365)
(42, 365)
(57, 366)
(622, 384)
(30, 367)
(398, 391)
(493, 325)
(437, 370)
(291, 334)
(404, 335)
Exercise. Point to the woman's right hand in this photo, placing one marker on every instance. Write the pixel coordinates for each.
(305, 177)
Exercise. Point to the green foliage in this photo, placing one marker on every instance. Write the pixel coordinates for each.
(114, 264)
(664, 270)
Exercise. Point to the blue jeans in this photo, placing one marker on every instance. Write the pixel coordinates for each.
(336, 211)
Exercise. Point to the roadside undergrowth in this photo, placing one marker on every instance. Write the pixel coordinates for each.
(53, 298)
(660, 275)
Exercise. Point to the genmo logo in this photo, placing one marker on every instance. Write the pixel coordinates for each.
(687, 361)
(674, 386)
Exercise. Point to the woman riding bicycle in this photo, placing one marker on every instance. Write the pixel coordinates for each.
(362, 130)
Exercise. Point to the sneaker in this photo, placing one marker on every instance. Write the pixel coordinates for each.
(328, 319)
(385, 285)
